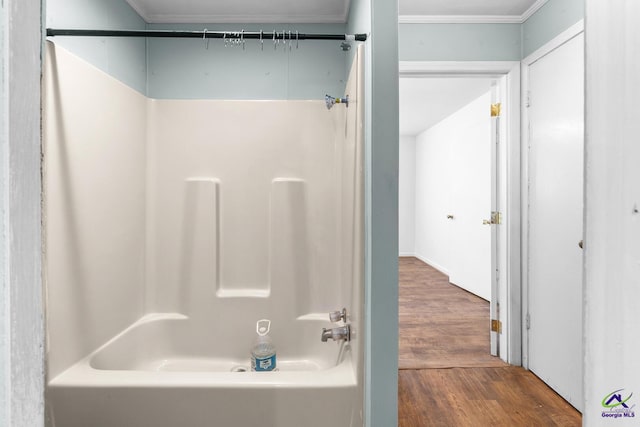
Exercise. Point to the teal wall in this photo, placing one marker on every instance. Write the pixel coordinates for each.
(166, 68)
(459, 42)
(379, 18)
(549, 21)
(187, 69)
(183, 69)
(488, 42)
(123, 58)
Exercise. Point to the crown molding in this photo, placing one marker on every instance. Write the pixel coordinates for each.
(244, 19)
(472, 19)
(459, 19)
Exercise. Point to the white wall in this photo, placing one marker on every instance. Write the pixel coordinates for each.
(21, 308)
(5, 314)
(94, 151)
(453, 178)
(407, 196)
(432, 189)
(612, 220)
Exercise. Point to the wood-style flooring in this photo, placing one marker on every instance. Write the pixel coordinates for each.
(441, 325)
(447, 377)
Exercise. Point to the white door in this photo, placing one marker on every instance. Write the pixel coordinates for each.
(470, 198)
(556, 140)
(473, 191)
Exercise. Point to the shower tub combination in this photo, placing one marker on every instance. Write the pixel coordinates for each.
(172, 227)
(161, 372)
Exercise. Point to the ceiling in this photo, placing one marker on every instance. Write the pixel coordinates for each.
(425, 102)
(327, 11)
(242, 11)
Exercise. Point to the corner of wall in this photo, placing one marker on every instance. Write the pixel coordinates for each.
(123, 58)
(548, 22)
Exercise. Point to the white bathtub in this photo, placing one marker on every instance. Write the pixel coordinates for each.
(166, 371)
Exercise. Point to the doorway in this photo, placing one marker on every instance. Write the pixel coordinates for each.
(446, 177)
(503, 80)
(446, 183)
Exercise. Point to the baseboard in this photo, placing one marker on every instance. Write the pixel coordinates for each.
(435, 265)
(407, 254)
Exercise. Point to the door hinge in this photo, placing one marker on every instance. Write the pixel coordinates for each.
(495, 110)
(496, 218)
(527, 321)
(496, 326)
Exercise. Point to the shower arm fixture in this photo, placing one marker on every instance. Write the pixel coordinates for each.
(330, 101)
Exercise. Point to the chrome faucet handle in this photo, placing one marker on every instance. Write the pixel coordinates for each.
(336, 316)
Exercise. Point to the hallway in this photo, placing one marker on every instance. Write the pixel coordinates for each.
(447, 376)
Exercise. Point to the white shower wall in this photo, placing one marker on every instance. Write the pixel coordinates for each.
(224, 211)
(94, 207)
(243, 204)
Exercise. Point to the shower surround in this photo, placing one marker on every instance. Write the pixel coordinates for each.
(172, 226)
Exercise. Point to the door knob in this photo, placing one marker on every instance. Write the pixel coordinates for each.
(449, 216)
(581, 244)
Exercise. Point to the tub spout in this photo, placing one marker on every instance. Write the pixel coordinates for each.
(343, 333)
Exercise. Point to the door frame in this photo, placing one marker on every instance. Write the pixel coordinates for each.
(549, 47)
(509, 167)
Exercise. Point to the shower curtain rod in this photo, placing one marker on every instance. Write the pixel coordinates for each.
(205, 34)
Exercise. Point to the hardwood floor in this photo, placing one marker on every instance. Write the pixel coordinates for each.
(447, 377)
(441, 325)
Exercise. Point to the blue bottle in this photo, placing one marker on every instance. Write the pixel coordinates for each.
(263, 352)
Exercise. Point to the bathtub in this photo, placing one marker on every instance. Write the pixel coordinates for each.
(167, 370)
